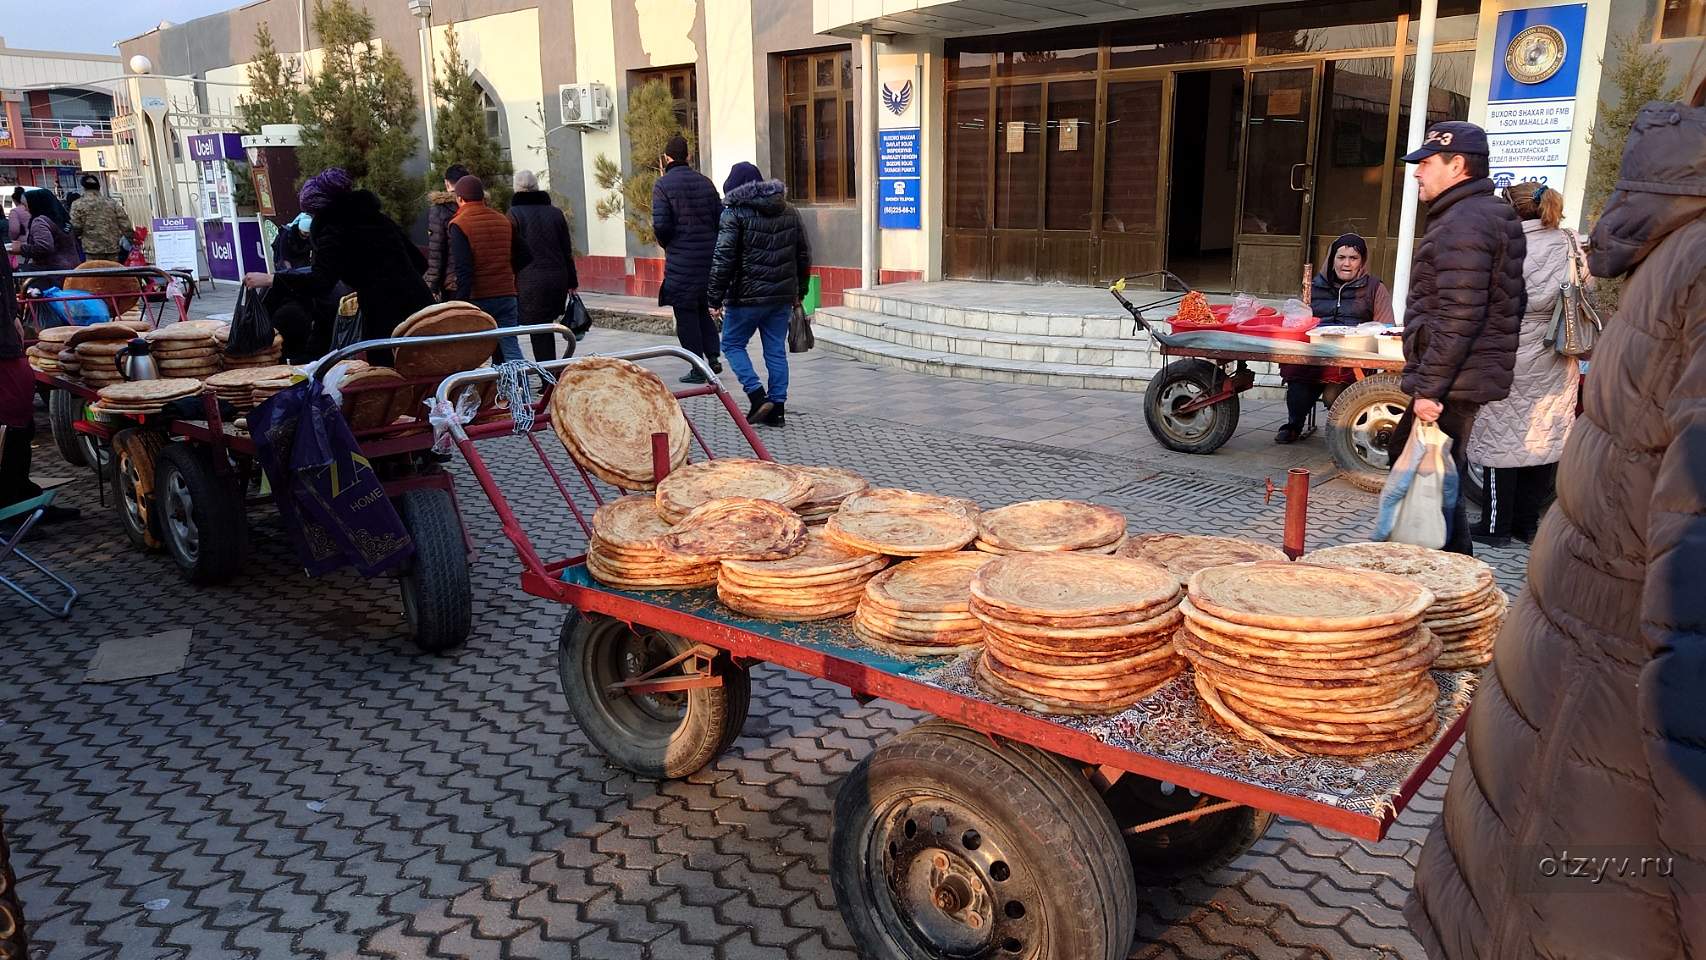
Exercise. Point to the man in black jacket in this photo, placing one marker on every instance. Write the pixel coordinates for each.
(759, 272)
(440, 279)
(685, 206)
(1466, 298)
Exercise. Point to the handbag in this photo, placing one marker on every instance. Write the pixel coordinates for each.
(800, 338)
(348, 328)
(576, 317)
(1576, 325)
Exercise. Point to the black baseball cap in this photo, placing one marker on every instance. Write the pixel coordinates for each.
(1450, 136)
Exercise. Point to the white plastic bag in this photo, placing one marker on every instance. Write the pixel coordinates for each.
(1421, 491)
(1244, 306)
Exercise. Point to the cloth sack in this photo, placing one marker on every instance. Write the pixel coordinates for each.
(800, 337)
(1420, 492)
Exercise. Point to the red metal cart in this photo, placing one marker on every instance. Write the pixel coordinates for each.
(991, 832)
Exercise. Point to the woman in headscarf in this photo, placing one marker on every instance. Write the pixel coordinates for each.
(17, 407)
(47, 243)
(357, 244)
(1344, 293)
(544, 285)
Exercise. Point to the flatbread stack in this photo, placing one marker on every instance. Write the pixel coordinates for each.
(890, 499)
(901, 523)
(1075, 633)
(736, 528)
(698, 483)
(605, 411)
(625, 551)
(1304, 659)
(831, 486)
(186, 349)
(822, 581)
(1468, 609)
(922, 607)
(376, 396)
(1183, 554)
(141, 397)
(44, 353)
(1050, 526)
(265, 358)
(94, 348)
(237, 387)
(443, 359)
(263, 390)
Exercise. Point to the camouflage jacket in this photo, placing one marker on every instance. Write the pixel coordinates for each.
(100, 222)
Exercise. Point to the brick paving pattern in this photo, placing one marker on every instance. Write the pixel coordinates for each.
(308, 786)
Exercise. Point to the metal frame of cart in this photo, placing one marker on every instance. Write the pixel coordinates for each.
(991, 832)
(1192, 404)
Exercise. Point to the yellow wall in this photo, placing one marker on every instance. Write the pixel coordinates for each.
(504, 50)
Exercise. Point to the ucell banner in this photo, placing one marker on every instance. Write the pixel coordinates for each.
(222, 248)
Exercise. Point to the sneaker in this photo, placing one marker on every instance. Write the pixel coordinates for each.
(694, 376)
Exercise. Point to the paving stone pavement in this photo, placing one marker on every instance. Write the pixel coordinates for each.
(307, 786)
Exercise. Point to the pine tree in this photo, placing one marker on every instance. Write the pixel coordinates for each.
(361, 110)
(1637, 73)
(275, 87)
(650, 121)
(459, 131)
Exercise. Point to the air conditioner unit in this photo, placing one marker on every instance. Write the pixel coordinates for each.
(585, 105)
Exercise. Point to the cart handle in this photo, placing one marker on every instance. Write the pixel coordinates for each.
(389, 343)
(1117, 288)
(142, 272)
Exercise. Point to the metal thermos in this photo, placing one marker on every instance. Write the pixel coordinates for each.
(135, 362)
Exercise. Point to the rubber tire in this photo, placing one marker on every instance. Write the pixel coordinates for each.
(1048, 810)
(63, 410)
(1180, 849)
(712, 721)
(438, 573)
(216, 507)
(140, 539)
(1472, 488)
(1209, 378)
(1354, 400)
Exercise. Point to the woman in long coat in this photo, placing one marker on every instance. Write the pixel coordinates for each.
(1518, 441)
(1575, 822)
(544, 285)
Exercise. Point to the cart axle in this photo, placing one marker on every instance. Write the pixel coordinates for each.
(695, 674)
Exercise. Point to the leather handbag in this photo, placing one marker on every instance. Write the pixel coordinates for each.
(1575, 323)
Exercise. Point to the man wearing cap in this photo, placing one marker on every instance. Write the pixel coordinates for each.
(685, 208)
(1466, 297)
(485, 255)
(100, 222)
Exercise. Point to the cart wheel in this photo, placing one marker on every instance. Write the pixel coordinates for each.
(1359, 426)
(202, 519)
(64, 410)
(947, 844)
(131, 468)
(1190, 846)
(659, 735)
(1471, 486)
(1200, 431)
(438, 600)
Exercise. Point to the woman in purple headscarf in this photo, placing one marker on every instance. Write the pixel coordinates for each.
(355, 243)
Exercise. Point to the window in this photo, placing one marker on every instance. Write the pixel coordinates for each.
(1682, 18)
(817, 119)
(683, 89)
(496, 129)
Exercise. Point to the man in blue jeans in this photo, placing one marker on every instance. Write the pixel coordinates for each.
(759, 272)
(485, 255)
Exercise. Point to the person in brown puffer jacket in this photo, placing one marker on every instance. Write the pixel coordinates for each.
(1575, 821)
(440, 278)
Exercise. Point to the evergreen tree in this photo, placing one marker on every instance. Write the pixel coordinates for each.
(459, 133)
(1637, 73)
(275, 87)
(360, 111)
(650, 121)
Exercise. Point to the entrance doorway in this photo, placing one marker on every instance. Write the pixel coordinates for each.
(1202, 214)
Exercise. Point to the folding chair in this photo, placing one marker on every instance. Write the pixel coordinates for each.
(31, 510)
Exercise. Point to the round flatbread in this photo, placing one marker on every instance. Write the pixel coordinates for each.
(1449, 576)
(899, 533)
(1073, 585)
(95, 332)
(1183, 554)
(185, 330)
(736, 528)
(927, 585)
(884, 499)
(246, 377)
(1050, 525)
(150, 391)
(442, 359)
(1300, 596)
(830, 486)
(631, 522)
(605, 411)
(708, 480)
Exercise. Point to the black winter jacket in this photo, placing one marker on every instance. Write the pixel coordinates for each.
(357, 244)
(439, 276)
(685, 205)
(1466, 298)
(544, 284)
(762, 256)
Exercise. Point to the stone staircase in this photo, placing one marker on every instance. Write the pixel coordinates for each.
(1050, 335)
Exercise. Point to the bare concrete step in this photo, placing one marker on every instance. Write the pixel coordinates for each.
(1130, 379)
(1022, 316)
(948, 339)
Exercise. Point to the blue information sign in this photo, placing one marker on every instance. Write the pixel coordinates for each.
(899, 179)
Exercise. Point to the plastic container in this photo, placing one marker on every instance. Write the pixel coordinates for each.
(1390, 345)
(1345, 338)
(1273, 327)
(1223, 315)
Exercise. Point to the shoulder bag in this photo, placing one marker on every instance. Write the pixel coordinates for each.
(1575, 323)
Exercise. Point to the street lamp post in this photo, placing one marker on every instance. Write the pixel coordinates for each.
(422, 9)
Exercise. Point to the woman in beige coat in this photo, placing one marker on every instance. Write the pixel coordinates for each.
(1518, 441)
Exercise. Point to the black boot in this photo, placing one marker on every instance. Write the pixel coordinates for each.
(758, 401)
(716, 364)
(694, 376)
(771, 414)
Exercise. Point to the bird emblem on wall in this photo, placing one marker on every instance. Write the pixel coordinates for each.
(895, 101)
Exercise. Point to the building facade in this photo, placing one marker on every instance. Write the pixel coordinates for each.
(1061, 141)
(51, 106)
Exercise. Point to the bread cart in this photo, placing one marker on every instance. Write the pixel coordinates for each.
(992, 831)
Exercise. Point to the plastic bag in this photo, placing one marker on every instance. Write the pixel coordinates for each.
(1244, 306)
(347, 331)
(76, 307)
(800, 336)
(1421, 491)
(1295, 313)
(251, 325)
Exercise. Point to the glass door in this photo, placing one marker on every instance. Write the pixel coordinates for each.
(1278, 182)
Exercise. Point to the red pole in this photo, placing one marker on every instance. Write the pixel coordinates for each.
(1296, 510)
(660, 457)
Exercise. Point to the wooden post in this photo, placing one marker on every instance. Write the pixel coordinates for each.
(1296, 510)
(1308, 283)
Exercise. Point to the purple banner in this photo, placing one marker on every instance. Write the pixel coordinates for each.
(222, 251)
(216, 146)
